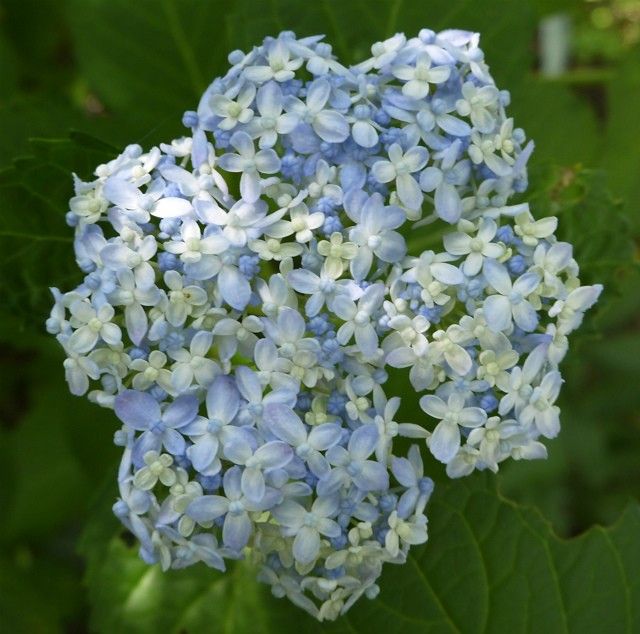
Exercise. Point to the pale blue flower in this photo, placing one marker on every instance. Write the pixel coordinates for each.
(235, 508)
(140, 411)
(210, 433)
(133, 298)
(308, 526)
(279, 67)
(409, 472)
(540, 410)
(252, 391)
(280, 310)
(476, 248)
(286, 425)
(92, 325)
(193, 364)
(446, 181)
(257, 462)
(198, 252)
(321, 288)
(234, 107)
(329, 125)
(510, 301)
(373, 233)
(183, 299)
(350, 465)
(272, 120)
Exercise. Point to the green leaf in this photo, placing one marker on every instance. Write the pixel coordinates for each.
(36, 245)
(148, 61)
(39, 590)
(503, 26)
(563, 126)
(621, 156)
(52, 455)
(8, 75)
(590, 218)
(489, 566)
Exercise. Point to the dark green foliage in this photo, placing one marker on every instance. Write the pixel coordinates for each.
(124, 72)
(490, 566)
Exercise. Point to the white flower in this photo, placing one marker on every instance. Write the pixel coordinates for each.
(321, 288)
(490, 438)
(549, 262)
(388, 428)
(193, 363)
(158, 467)
(493, 364)
(92, 325)
(280, 67)
(357, 318)
(444, 442)
(234, 106)
(531, 231)
(304, 223)
(336, 251)
(540, 410)
(384, 52)
(419, 77)
(118, 256)
(480, 103)
(150, 371)
(250, 163)
(476, 248)
(399, 168)
(272, 120)
(483, 149)
(410, 532)
(420, 357)
(273, 249)
(198, 252)
(570, 311)
(517, 386)
(182, 299)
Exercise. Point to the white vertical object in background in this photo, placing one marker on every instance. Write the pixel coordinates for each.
(554, 42)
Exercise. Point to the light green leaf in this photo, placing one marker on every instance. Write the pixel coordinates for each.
(621, 155)
(489, 566)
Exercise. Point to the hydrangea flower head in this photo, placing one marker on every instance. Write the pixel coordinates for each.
(249, 286)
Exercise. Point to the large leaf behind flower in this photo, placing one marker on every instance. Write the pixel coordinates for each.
(36, 245)
(148, 61)
(489, 566)
(152, 60)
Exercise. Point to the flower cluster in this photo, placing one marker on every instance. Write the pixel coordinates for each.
(249, 288)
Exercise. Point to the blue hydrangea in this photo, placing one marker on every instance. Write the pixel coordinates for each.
(248, 286)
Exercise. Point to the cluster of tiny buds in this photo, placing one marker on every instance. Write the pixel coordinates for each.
(250, 287)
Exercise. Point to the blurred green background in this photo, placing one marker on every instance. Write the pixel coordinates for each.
(79, 79)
